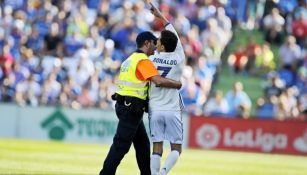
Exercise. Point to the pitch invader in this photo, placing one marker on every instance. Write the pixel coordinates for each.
(165, 105)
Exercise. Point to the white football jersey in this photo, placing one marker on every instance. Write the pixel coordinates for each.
(169, 65)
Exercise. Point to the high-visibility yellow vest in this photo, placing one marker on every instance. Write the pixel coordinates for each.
(128, 84)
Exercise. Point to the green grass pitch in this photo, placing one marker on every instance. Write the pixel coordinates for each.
(40, 157)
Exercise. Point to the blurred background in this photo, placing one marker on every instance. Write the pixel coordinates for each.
(243, 58)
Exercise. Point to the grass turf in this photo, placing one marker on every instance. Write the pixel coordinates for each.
(40, 157)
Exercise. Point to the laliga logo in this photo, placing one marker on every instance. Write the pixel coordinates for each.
(208, 136)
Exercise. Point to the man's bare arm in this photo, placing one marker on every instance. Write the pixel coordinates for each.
(157, 13)
(165, 82)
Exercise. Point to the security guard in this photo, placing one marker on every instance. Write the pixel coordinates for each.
(136, 72)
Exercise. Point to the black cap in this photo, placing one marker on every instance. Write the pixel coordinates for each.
(143, 36)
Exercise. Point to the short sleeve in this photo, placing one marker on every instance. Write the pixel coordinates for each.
(145, 70)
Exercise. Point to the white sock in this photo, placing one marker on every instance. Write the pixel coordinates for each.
(155, 163)
(170, 162)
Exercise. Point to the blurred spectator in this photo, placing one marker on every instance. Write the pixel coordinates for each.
(287, 106)
(273, 25)
(289, 53)
(301, 80)
(252, 49)
(6, 59)
(69, 92)
(275, 88)
(2, 37)
(121, 35)
(17, 33)
(85, 68)
(20, 72)
(112, 58)
(299, 29)
(265, 59)
(204, 75)
(224, 22)
(84, 99)
(79, 22)
(239, 102)
(50, 90)
(268, 6)
(28, 92)
(216, 105)
(93, 45)
(193, 46)
(287, 76)
(283, 111)
(53, 41)
(142, 16)
(105, 91)
(8, 88)
(193, 98)
(286, 6)
(1, 77)
(28, 60)
(255, 10)
(301, 8)
(188, 8)
(182, 23)
(102, 25)
(303, 104)
(266, 107)
(236, 9)
(214, 33)
(34, 41)
(237, 60)
(292, 96)
(73, 42)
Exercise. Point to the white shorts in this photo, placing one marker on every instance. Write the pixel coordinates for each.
(166, 125)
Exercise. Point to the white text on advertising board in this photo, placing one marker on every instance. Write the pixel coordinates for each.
(255, 139)
(99, 128)
(208, 136)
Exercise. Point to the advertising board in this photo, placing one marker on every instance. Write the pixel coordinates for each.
(289, 137)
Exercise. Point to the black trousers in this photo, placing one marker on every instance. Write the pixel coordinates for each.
(130, 130)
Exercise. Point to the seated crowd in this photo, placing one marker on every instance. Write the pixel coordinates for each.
(68, 53)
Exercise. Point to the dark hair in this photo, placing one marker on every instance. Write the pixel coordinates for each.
(143, 36)
(168, 40)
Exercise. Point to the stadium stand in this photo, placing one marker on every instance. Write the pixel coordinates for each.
(68, 52)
